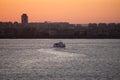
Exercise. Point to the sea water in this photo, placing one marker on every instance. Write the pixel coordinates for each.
(82, 59)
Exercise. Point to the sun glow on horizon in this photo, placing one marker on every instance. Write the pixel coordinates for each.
(77, 11)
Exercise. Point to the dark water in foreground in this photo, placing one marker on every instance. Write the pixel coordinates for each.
(82, 59)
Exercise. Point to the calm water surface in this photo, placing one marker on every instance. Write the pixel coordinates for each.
(82, 59)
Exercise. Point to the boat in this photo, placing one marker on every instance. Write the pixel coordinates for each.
(59, 45)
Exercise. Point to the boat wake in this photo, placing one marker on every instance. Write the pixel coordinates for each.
(57, 52)
(60, 54)
(47, 56)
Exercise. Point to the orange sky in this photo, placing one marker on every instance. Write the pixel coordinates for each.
(73, 11)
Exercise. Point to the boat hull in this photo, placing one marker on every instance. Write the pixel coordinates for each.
(57, 45)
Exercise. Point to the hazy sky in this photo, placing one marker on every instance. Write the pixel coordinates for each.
(73, 11)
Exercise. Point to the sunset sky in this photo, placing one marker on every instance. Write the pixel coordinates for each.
(73, 11)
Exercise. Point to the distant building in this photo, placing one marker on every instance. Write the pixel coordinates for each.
(24, 19)
(92, 25)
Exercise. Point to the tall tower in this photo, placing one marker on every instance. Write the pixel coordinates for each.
(24, 19)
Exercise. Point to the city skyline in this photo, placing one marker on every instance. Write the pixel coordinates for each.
(26, 29)
(83, 12)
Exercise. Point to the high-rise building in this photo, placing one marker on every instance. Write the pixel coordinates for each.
(24, 19)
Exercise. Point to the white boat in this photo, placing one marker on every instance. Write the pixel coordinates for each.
(59, 45)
